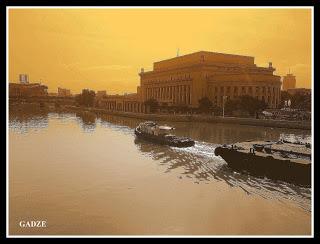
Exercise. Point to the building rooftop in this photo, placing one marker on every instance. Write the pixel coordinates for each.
(202, 57)
(27, 85)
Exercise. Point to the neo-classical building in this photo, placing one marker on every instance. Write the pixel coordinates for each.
(185, 79)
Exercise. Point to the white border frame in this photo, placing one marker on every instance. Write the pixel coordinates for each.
(156, 7)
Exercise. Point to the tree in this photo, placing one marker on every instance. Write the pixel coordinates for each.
(301, 101)
(86, 98)
(245, 103)
(152, 104)
(231, 105)
(298, 100)
(251, 104)
(205, 105)
(285, 96)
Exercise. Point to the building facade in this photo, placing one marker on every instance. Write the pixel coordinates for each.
(124, 103)
(27, 90)
(101, 94)
(62, 92)
(289, 82)
(184, 80)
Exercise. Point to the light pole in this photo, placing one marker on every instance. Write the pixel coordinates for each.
(223, 99)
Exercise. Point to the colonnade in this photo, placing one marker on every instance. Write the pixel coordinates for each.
(176, 94)
(270, 94)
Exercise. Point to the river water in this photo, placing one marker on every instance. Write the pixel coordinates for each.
(91, 176)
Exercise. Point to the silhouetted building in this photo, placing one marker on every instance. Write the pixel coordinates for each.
(62, 92)
(23, 78)
(289, 82)
(27, 90)
(184, 80)
(101, 94)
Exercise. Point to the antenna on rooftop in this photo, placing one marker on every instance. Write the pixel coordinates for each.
(178, 52)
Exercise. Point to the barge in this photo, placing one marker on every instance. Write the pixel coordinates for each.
(153, 132)
(279, 160)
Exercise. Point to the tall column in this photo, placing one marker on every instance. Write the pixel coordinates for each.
(190, 94)
(185, 94)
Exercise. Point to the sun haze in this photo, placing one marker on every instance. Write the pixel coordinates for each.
(104, 49)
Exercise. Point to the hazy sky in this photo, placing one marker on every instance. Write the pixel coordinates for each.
(104, 49)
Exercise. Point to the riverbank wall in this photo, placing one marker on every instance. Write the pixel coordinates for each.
(304, 125)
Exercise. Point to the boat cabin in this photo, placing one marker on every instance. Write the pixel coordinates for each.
(153, 128)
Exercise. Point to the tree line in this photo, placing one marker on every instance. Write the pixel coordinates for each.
(243, 103)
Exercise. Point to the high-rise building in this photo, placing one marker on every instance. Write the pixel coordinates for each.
(289, 82)
(23, 78)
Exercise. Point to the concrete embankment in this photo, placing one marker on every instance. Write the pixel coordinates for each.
(304, 125)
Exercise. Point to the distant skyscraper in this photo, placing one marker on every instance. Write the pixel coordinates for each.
(23, 78)
(289, 82)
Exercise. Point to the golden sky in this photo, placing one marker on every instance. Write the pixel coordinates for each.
(104, 49)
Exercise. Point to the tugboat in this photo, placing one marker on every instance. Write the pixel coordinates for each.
(151, 131)
(280, 160)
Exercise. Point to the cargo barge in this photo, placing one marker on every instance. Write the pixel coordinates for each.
(280, 160)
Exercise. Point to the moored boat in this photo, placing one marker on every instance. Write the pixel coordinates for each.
(151, 131)
(281, 160)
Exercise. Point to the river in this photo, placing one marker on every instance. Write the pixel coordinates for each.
(91, 176)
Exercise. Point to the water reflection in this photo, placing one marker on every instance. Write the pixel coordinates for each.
(87, 121)
(23, 122)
